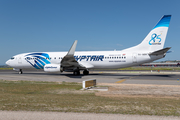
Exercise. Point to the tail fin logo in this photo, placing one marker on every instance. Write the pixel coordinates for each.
(155, 39)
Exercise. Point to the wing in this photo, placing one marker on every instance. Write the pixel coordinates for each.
(69, 62)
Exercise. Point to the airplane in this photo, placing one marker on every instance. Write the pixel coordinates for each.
(150, 49)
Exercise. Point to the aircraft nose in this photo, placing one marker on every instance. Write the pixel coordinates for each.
(7, 62)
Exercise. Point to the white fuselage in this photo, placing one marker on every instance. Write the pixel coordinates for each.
(97, 59)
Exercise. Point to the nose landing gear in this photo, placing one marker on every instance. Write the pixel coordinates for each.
(20, 71)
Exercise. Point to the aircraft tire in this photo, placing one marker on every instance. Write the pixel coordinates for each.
(76, 72)
(85, 72)
(20, 71)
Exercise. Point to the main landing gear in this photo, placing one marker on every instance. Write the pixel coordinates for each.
(85, 72)
(76, 73)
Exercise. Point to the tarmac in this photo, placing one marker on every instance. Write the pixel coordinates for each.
(117, 77)
(30, 115)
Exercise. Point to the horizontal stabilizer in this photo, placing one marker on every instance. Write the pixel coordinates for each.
(169, 51)
(160, 52)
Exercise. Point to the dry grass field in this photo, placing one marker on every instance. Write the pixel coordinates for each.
(67, 97)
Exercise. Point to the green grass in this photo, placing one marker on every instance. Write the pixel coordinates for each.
(6, 68)
(66, 97)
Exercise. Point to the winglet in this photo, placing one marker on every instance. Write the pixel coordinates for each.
(72, 49)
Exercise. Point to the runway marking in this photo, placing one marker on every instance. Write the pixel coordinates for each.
(121, 81)
(125, 79)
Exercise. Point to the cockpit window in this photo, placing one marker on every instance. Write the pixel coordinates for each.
(12, 58)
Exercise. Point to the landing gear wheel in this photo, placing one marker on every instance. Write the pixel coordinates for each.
(20, 71)
(76, 72)
(85, 72)
(61, 69)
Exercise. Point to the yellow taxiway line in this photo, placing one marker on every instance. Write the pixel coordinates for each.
(121, 81)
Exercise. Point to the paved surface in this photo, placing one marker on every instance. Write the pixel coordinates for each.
(24, 115)
(119, 77)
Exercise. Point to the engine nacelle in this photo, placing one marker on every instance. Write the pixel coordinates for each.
(52, 68)
(16, 69)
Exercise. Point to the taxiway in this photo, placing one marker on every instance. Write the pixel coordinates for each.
(118, 77)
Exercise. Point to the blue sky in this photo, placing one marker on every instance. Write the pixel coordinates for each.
(53, 25)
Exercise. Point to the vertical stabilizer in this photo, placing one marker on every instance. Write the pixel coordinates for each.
(156, 38)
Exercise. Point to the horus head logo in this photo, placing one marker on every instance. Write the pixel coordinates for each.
(38, 60)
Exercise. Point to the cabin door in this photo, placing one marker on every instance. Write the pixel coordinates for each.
(134, 58)
(19, 60)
